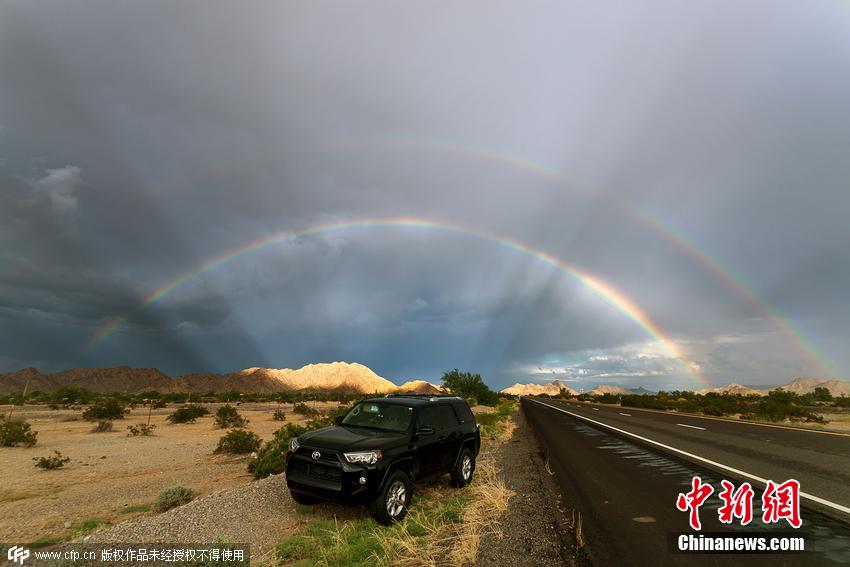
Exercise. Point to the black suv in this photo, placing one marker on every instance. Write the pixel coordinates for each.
(379, 448)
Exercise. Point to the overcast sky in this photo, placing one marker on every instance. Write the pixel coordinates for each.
(138, 140)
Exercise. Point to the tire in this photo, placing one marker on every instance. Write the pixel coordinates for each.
(462, 473)
(390, 505)
(302, 498)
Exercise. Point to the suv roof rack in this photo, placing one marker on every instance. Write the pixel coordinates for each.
(422, 397)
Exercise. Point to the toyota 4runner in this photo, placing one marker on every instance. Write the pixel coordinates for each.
(379, 448)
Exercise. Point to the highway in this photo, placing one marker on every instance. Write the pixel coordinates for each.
(622, 468)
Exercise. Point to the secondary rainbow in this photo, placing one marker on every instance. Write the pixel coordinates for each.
(604, 290)
(785, 329)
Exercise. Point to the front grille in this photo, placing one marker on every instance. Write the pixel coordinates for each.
(315, 470)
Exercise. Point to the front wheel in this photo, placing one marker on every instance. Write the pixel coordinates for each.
(462, 473)
(390, 505)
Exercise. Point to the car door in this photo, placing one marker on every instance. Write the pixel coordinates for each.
(448, 436)
(428, 446)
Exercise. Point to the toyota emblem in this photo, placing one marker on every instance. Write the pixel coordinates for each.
(316, 455)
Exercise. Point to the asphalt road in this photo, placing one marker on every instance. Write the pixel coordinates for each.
(626, 487)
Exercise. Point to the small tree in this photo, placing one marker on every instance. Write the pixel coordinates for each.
(188, 413)
(107, 409)
(468, 385)
(228, 417)
(238, 441)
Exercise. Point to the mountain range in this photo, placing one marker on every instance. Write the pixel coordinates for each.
(798, 386)
(350, 377)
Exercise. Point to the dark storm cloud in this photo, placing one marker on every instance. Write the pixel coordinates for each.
(137, 141)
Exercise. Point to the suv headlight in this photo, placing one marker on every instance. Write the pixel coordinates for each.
(365, 457)
(293, 444)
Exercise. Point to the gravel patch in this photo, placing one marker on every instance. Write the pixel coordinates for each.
(260, 513)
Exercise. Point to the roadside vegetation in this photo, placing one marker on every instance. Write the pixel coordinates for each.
(238, 442)
(227, 417)
(188, 413)
(777, 406)
(172, 497)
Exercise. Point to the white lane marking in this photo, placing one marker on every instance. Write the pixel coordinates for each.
(745, 474)
(626, 414)
(691, 426)
(595, 409)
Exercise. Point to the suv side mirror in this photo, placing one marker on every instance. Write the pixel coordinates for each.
(425, 430)
(338, 419)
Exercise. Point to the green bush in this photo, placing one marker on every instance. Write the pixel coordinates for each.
(227, 417)
(102, 427)
(271, 458)
(188, 413)
(107, 409)
(303, 409)
(238, 441)
(14, 432)
(173, 497)
(140, 429)
(55, 461)
(278, 415)
(468, 385)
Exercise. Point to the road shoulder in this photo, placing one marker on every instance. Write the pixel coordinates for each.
(534, 530)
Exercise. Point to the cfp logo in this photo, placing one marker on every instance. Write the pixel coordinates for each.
(18, 554)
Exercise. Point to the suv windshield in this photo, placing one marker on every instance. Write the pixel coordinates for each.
(387, 417)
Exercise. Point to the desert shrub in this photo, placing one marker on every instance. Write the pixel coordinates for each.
(227, 417)
(271, 456)
(238, 441)
(188, 413)
(55, 461)
(173, 497)
(102, 427)
(14, 432)
(303, 409)
(142, 429)
(157, 404)
(278, 415)
(109, 408)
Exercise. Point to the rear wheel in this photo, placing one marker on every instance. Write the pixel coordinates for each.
(391, 504)
(302, 498)
(462, 473)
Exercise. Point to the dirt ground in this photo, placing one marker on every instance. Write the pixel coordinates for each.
(109, 471)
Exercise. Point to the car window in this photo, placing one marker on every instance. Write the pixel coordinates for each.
(387, 417)
(446, 418)
(439, 417)
(463, 412)
(428, 417)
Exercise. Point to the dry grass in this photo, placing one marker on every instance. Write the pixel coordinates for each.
(490, 497)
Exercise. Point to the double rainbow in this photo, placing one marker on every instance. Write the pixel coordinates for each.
(604, 290)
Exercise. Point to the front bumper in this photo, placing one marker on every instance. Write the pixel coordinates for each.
(330, 477)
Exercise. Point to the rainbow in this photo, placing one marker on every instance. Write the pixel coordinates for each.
(604, 290)
(794, 338)
(725, 274)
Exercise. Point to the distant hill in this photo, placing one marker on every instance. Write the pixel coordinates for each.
(601, 389)
(553, 389)
(733, 389)
(349, 377)
(419, 387)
